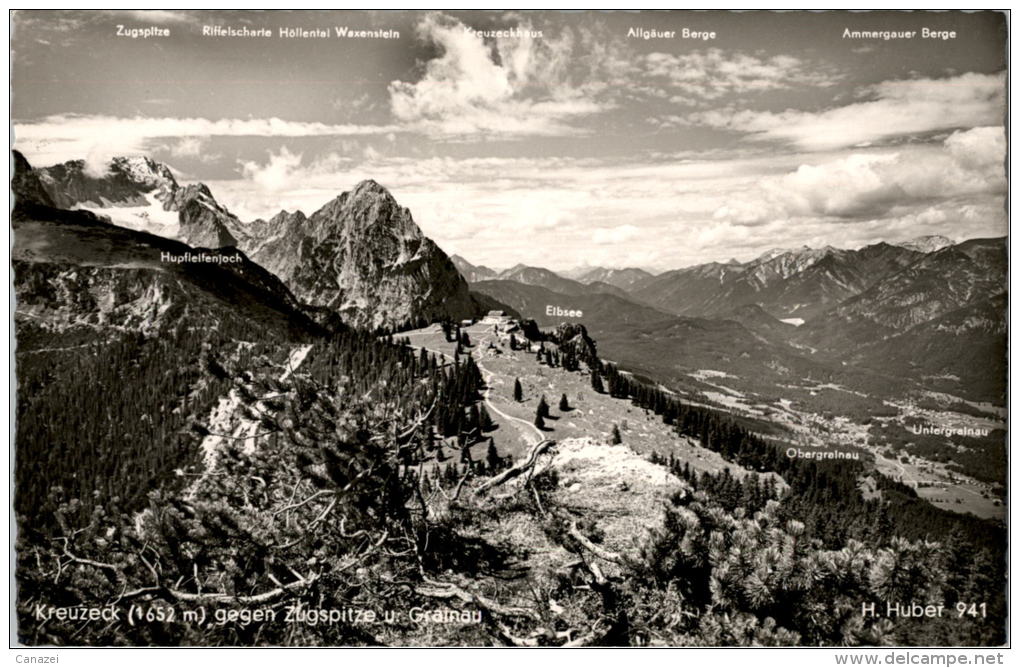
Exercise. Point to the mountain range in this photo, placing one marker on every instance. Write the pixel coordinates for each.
(872, 310)
(522, 273)
(362, 259)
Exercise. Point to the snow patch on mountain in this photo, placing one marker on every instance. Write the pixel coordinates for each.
(927, 244)
(151, 217)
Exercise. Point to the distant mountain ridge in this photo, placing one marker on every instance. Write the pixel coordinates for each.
(624, 279)
(874, 307)
(799, 283)
(927, 244)
(550, 280)
(470, 272)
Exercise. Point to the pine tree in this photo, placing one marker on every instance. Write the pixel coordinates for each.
(564, 404)
(543, 407)
(616, 438)
(465, 340)
(474, 418)
(596, 381)
(513, 342)
(518, 392)
(539, 421)
(484, 420)
(492, 457)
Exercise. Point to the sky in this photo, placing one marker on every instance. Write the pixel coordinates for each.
(557, 139)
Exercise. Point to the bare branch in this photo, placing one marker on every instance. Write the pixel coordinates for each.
(448, 590)
(264, 597)
(515, 471)
(598, 551)
(457, 490)
(405, 435)
(324, 513)
(301, 503)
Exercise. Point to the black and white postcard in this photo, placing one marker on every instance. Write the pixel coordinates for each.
(509, 329)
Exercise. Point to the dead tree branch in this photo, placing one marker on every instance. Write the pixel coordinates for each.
(515, 471)
(598, 551)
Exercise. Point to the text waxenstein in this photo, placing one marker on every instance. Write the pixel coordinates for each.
(337, 32)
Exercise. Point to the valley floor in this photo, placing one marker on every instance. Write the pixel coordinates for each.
(933, 481)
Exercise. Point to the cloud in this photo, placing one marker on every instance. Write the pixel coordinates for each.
(897, 109)
(190, 148)
(512, 86)
(979, 149)
(277, 174)
(662, 213)
(714, 73)
(69, 136)
(482, 207)
(615, 235)
(875, 184)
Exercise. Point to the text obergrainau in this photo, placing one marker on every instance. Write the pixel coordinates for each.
(338, 32)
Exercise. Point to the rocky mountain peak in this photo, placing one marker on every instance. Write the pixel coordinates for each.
(287, 215)
(144, 171)
(370, 188)
(363, 256)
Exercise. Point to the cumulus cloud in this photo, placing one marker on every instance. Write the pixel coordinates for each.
(896, 109)
(277, 174)
(511, 86)
(713, 73)
(979, 149)
(868, 185)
